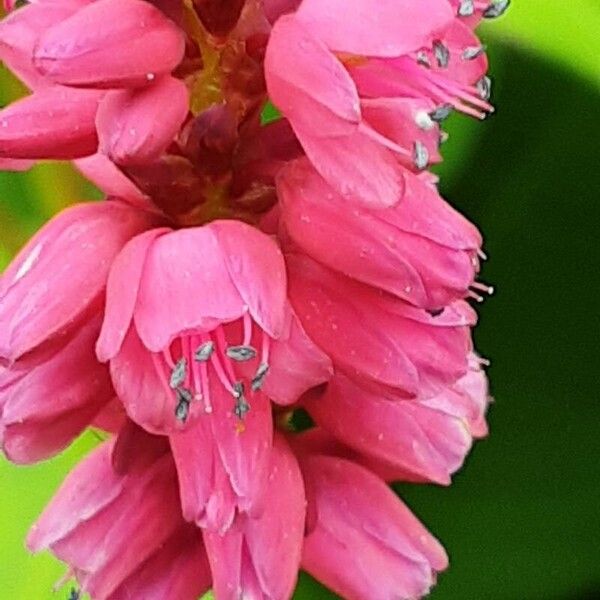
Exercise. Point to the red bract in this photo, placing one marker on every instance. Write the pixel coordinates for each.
(260, 274)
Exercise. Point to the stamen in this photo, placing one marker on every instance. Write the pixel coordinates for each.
(488, 289)
(496, 9)
(484, 87)
(204, 351)
(168, 358)
(160, 371)
(442, 54)
(475, 296)
(423, 59)
(259, 376)
(420, 155)
(247, 329)
(182, 410)
(205, 387)
(466, 8)
(424, 121)
(441, 113)
(482, 254)
(241, 353)
(444, 137)
(472, 52)
(241, 405)
(178, 373)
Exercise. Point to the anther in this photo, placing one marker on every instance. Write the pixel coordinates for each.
(442, 54)
(182, 410)
(178, 374)
(423, 59)
(420, 155)
(482, 287)
(204, 351)
(484, 87)
(482, 255)
(241, 353)
(241, 405)
(444, 137)
(466, 8)
(472, 52)
(441, 113)
(259, 377)
(496, 9)
(424, 121)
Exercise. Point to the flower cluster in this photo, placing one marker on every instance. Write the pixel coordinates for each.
(267, 319)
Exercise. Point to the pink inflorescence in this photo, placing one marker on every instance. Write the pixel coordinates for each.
(267, 317)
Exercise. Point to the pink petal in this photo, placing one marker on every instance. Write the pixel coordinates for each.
(136, 126)
(365, 542)
(296, 365)
(259, 557)
(54, 122)
(148, 401)
(179, 570)
(395, 249)
(186, 285)
(19, 32)
(51, 404)
(110, 43)
(244, 446)
(257, 269)
(104, 174)
(389, 28)
(414, 436)
(301, 72)
(61, 273)
(121, 292)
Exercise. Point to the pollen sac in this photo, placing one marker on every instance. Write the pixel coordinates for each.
(466, 8)
(241, 353)
(423, 59)
(219, 17)
(484, 87)
(204, 352)
(259, 377)
(441, 113)
(182, 410)
(241, 408)
(472, 52)
(178, 374)
(442, 54)
(420, 155)
(496, 9)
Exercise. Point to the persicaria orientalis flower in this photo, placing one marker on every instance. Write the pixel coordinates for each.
(268, 318)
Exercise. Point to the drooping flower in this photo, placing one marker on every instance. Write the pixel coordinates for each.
(51, 303)
(365, 93)
(117, 523)
(192, 320)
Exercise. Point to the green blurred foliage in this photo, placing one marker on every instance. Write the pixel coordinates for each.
(521, 520)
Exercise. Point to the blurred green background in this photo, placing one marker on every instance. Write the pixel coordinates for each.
(522, 519)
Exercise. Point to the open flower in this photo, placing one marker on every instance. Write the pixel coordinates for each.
(365, 93)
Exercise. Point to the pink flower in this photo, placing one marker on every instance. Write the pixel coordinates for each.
(420, 250)
(364, 93)
(259, 556)
(197, 331)
(361, 540)
(417, 440)
(118, 525)
(380, 342)
(51, 299)
(110, 44)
